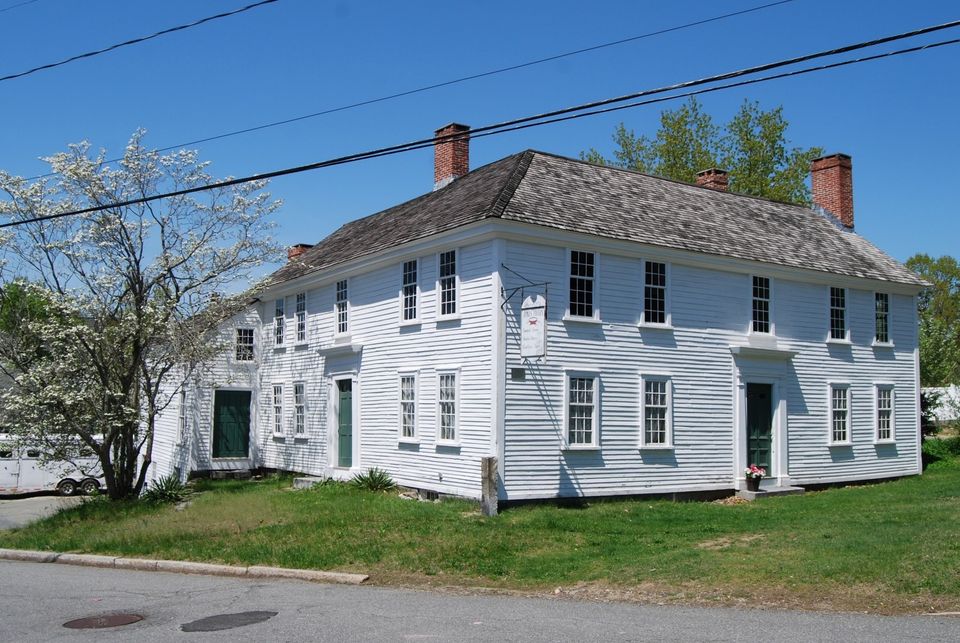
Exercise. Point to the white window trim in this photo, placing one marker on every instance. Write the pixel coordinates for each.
(282, 321)
(273, 410)
(415, 438)
(657, 377)
(182, 423)
(889, 342)
(236, 344)
(773, 329)
(458, 407)
(845, 340)
(595, 318)
(830, 441)
(876, 413)
(415, 320)
(296, 320)
(585, 373)
(306, 411)
(336, 318)
(667, 296)
(456, 287)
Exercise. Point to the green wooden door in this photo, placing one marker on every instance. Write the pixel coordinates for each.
(231, 424)
(345, 423)
(760, 425)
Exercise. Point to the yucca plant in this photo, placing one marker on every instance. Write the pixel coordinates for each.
(166, 489)
(374, 480)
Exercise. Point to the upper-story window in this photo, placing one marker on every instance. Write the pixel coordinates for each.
(448, 283)
(301, 316)
(838, 313)
(761, 304)
(343, 320)
(582, 272)
(882, 307)
(408, 291)
(244, 348)
(654, 293)
(278, 322)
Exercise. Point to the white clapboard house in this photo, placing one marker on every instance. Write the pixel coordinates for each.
(674, 334)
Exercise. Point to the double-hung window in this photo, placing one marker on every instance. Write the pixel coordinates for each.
(299, 409)
(182, 417)
(654, 292)
(838, 313)
(582, 410)
(408, 292)
(343, 320)
(582, 272)
(244, 348)
(882, 317)
(447, 400)
(839, 414)
(886, 431)
(278, 409)
(656, 412)
(408, 406)
(761, 304)
(448, 283)
(301, 317)
(278, 322)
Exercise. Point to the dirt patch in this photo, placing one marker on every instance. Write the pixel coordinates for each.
(731, 500)
(726, 543)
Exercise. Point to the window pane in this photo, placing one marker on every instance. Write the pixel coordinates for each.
(761, 305)
(884, 413)
(838, 313)
(301, 317)
(655, 293)
(448, 282)
(882, 304)
(278, 408)
(410, 289)
(448, 406)
(839, 401)
(408, 415)
(244, 348)
(278, 322)
(581, 283)
(655, 411)
(580, 410)
(299, 409)
(343, 324)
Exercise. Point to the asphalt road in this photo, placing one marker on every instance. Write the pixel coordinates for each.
(37, 599)
(17, 512)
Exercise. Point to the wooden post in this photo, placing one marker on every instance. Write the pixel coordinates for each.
(488, 486)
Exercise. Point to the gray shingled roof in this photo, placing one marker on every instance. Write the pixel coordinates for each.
(546, 190)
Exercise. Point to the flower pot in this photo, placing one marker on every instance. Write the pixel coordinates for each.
(753, 484)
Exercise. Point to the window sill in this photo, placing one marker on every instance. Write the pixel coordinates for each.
(301, 438)
(448, 318)
(279, 348)
(279, 436)
(301, 345)
(410, 322)
(342, 338)
(668, 327)
(877, 344)
(582, 320)
(840, 444)
(840, 342)
(449, 444)
(656, 447)
(413, 440)
(885, 442)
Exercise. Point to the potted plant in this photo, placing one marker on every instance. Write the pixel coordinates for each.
(754, 474)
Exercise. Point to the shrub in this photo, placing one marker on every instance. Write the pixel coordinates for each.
(935, 450)
(374, 480)
(166, 489)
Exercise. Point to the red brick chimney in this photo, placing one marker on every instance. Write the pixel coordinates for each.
(295, 251)
(831, 178)
(451, 158)
(714, 178)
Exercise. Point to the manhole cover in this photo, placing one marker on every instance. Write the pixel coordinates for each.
(227, 621)
(105, 620)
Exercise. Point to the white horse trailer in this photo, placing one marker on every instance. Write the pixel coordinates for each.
(21, 471)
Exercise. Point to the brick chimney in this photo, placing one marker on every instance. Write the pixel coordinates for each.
(451, 158)
(714, 178)
(295, 251)
(831, 179)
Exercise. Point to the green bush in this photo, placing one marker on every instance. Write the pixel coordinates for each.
(374, 480)
(166, 489)
(935, 450)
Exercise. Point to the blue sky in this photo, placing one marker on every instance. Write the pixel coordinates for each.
(897, 117)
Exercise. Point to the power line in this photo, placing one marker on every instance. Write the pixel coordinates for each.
(455, 81)
(568, 113)
(91, 54)
(15, 6)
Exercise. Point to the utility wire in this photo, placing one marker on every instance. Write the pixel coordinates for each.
(455, 81)
(19, 4)
(91, 54)
(569, 113)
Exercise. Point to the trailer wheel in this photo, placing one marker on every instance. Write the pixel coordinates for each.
(89, 486)
(67, 487)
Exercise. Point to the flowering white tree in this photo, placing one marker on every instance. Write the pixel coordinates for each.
(104, 315)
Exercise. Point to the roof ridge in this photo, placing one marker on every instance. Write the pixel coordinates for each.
(512, 183)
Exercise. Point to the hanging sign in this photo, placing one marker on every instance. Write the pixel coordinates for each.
(533, 327)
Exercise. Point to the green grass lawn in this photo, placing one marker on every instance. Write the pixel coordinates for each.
(890, 547)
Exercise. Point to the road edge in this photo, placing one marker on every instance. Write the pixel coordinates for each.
(182, 566)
